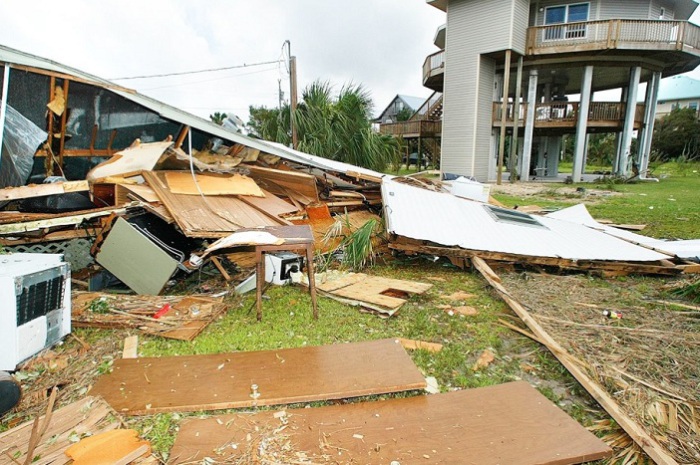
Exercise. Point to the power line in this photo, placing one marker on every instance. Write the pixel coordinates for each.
(182, 84)
(196, 72)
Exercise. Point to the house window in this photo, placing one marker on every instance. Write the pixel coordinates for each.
(514, 217)
(693, 106)
(564, 15)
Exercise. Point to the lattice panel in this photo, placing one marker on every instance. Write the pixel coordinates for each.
(75, 251)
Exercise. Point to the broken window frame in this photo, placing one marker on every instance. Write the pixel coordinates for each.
(504, 215)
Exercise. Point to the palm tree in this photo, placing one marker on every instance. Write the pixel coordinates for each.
(332, 126)
(339, 127)
(218, 118)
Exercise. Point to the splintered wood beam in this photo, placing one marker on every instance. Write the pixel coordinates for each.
(635, 431)
(584, 265)
(64, 119)
(38, 190)
(181, 137)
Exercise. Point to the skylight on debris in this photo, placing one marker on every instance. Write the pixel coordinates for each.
(513, 217)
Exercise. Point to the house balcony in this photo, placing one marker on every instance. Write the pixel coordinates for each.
(412, 129)
(562, 116)
(434, 71)
(680, 38)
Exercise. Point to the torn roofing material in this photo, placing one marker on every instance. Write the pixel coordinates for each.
(688, 249)
(15, 57)
(445, 219)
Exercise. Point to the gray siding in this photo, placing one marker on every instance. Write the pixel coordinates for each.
(475, 27)
(656, 6)
(627, 9)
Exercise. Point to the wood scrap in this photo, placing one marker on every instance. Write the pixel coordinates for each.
(383, 295)
(38, 190)
(117, 446)
(183, 182)
(411, 344)
(131, 344)
(186, 318)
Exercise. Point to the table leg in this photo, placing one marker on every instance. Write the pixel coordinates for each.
(312, 279)
(259, 281)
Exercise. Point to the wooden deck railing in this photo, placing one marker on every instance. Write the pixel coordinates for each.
(565, 114)
(433, 64)
(423, 128)
(612, 34)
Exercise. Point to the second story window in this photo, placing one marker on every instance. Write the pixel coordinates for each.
(564, 15)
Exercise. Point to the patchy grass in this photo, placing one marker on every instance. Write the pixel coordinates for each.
(669, 208)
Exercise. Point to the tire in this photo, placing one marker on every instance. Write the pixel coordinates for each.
(10, 393)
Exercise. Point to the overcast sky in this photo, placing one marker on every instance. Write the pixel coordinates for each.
(379, 44)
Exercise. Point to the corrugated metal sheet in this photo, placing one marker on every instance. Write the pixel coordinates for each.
(442, 218)
(8, 55)
(688, 249)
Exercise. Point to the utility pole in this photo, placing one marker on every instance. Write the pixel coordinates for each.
(280, 94)
(292, 93)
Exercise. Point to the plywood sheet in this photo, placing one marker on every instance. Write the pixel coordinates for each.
(210, 216)
(270, 203)
(506, 424)
(220, 381)
(181, 182)
(383, 295)
(289, 181)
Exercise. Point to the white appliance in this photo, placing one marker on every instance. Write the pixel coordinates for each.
(35, 305)
(278, 266)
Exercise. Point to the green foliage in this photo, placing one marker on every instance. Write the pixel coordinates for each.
(677, 136)
(218, 118)
(690, 292)
(404, 114)
(270, 124)
(336, 126)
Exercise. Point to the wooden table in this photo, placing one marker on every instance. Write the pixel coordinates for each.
(295, 238)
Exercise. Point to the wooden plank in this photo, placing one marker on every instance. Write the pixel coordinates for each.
(181, 182)
(220, 381)
(411, 344)
(124, 193)
(89, 415)
(302, 183)
(506, 424)
(57, 220)
(131, 345)
(38, 190)
(61, 235)
(635, 431)
(212, 216)
(270, 204)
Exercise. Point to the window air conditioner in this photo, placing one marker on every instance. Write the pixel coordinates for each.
(279, 265)
(35, 305)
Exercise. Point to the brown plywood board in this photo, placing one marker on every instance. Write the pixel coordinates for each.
(270, 203)
(383, 295)
(126, 193)
(506, 424)
(283, 376)
(209, 216)
(182, 182)
(290, 182)
(86, 416)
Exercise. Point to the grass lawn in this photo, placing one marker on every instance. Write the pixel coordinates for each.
(670, 209)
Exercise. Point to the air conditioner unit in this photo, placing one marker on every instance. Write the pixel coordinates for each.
(35, 305)
(279, 265)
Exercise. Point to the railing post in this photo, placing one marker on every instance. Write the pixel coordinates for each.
(610, 33)
(681, 35)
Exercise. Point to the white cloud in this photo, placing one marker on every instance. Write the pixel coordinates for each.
(381, 45)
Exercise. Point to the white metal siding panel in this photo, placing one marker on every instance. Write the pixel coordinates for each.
(624, 9)
(453, 221)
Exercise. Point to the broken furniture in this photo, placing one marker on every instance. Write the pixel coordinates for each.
(510, 423)
(292, 238)
(36, 305)
(142, 250)
(149, 385)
